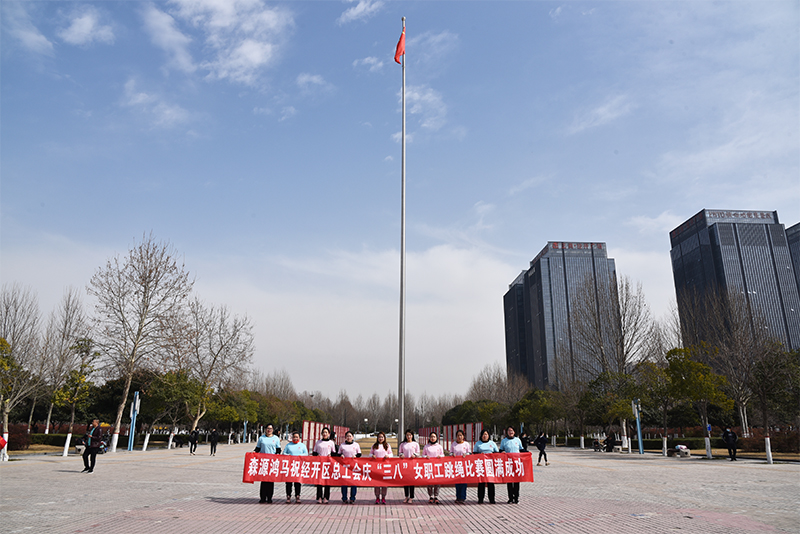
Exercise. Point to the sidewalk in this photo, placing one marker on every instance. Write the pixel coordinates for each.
(581, 491)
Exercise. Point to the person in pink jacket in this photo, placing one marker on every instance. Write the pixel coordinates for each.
(324, 447)
(432, 449)
(408, 449)
(381, 449)
(349, 449)
(460, 448)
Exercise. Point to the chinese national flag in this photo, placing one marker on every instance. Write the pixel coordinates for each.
(401, 46)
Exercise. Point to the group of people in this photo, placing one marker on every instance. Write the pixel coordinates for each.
(269, 443)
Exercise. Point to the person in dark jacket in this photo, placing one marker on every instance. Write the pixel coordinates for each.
(213, 439)
(541, 442)
(93, 442)
(194, 436)
(611, 442)
(525, 440)
(730, 438)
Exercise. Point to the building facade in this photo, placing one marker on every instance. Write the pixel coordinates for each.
(793, 238)
(746, 252)
(541, 307)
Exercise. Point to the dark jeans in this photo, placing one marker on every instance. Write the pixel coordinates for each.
(353, 491)
(461, 492)
(89, 452)
(408, 491)
(513, 491)
(323, 492)
(297, 487)
(731, 452)
(213, 447)
(542, 453)
(482, 491)
(267, 489)
(192, 446)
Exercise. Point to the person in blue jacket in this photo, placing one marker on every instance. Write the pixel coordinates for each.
(294, 448)
(268, 443)
(510, 443)
(485, 445)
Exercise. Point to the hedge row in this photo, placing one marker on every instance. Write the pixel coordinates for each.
(780, 442)
(58, 439)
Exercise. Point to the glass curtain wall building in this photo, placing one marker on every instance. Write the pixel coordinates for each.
(540, 311)
(742, 251)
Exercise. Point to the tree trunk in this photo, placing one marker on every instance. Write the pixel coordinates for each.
(72, 418)
(30, 416)
(120, 410)
(201, 411)
(745, 423)
(49, 416)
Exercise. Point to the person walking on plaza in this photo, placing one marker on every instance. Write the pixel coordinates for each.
(485, 446)
(381, 449)
(541, 442)
(730, 438)
(349, 449)
(268, 443)
(510, 443)
(213, 439)
(433, 449)
(460, 448)
(194, 436)
(324, 447)
(408, 449)
(294, 448)
(92, 441)
(525, 440)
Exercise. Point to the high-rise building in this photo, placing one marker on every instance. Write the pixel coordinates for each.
(540, 309)
(793, 238)
(745, 252)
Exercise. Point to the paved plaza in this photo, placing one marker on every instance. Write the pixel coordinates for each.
(581, 491)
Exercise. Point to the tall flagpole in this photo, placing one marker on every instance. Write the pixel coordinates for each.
(401, 388)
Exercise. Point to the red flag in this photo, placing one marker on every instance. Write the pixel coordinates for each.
(401, 46)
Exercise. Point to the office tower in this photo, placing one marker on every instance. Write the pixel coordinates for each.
(746, 253)
(541, 307)
(793, 237)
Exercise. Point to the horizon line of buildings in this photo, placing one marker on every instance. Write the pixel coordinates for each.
(746, 251)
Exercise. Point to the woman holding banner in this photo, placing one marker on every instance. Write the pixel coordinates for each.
(485, 446)
(294, 448)
(381, 449)
(511, 444)
(432, 449)
(324, 447)
(268, 443)
(349, 449)
(460, 448)
(408, 449)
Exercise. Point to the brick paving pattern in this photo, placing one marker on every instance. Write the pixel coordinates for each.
(581, 491)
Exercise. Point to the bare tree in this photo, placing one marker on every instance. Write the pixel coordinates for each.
(66, 325)
(494, 383)
(136, 297)
(279, 384)
(20, 355)
(220, 348)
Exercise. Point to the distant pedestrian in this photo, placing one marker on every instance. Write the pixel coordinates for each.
(294, 448)
(730, 438)
(525, 440)
(541, 443)
(194, 436)
(485, 446)
(381, 449)
(511, 444)
(611, 442)
(268, 444)
(324, 447)
(213, 439)
(433, 450)
(92, 441)
(349, 449)
(460, 448)
(408, 449)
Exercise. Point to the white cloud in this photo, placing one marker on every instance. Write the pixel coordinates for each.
(372, 63)
(364, 9)
(527, 184)
(310, 83)
(388, 158)
(164, 34)
(398, 137)
(287, 113)
(612, 109)
(662, 224)
(430, 48)
(245, 36)
(17, 23)
(652, 269)
(159, 113)
(262, 111)
(427, 103)
(556, 12)
(85, 28)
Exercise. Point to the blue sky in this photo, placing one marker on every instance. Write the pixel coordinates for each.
(261, 140)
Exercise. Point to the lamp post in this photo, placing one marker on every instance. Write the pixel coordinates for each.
(365, 425)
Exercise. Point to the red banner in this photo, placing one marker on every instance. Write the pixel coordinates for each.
(338, 471)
